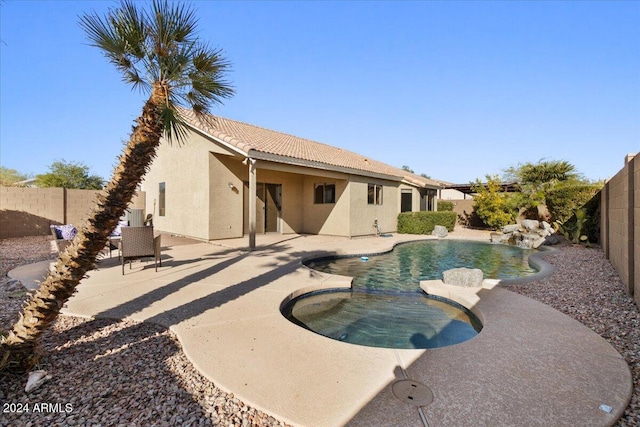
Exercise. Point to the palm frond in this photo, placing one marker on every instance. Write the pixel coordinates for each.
(161, 45)
(175, 125)
(120, 36)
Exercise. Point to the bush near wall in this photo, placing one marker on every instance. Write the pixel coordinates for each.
(562, 202)
(445, 206)
(424, 222)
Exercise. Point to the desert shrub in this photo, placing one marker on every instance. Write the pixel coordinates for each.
(494, 207)
(563, 201)
(445, 206)
(424, 222)
(586, 213)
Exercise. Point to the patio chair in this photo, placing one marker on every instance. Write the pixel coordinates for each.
(62, 236)
(137, 243)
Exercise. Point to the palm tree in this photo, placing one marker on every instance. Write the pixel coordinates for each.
(157, 52)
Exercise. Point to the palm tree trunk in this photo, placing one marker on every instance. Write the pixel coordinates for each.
(19, 350)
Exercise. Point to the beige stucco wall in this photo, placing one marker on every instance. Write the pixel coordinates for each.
(185, 170)
(292, 188)
(329, 218)
(363, 214)
(228, 206)
(225, 203)
(200, 202)
(451, 194)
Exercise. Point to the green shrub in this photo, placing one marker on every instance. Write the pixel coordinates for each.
(586, 214)
(494, 207)
(445, 206)
(563, 201)
(424, 222)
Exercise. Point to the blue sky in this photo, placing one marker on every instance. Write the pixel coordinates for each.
(456, 90)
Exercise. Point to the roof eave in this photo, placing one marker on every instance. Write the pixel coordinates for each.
(419, 184)
(259, 155)
(222, 141)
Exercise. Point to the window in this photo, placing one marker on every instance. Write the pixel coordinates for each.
(324, 193)
(161, 201)
(374, 194)
(406, 201)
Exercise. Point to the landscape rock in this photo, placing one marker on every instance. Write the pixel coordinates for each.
(530, 225)
(511, 228)
(440, 231)
(553, 239)
(538, 242)
(36, 379)
(463, 277)
(529, 234)
(14, 285)
(547, 226)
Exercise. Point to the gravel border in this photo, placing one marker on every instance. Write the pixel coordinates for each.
(111, 372)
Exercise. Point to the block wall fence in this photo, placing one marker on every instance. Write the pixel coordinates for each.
(30, 211)
(620, 224)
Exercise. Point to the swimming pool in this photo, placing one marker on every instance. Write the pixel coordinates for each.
(386, 306)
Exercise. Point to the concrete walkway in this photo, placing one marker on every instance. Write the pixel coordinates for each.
(530, 365)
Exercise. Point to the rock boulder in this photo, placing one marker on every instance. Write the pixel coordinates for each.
(463, 277)
(440, 231)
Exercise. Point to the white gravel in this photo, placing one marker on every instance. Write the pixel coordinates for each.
(110, 373)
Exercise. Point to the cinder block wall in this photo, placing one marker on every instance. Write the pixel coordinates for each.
(636, 228)
(620, 224)
(30, 211)
(78, 205)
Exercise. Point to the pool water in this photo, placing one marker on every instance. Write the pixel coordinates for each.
(407, 264)
(386, 306)
(384, 320)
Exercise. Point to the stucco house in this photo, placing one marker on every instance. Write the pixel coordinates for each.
(232, 179)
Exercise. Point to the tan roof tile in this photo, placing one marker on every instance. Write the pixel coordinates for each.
(249, 139)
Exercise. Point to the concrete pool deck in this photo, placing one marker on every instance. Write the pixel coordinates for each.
(530, 365)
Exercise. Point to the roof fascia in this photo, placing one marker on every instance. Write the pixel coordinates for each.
(258, 155)
(425, 185)
(230, 147)
(300, 170)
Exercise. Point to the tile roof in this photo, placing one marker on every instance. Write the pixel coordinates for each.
(249, 140)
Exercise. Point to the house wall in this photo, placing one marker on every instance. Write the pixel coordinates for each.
(185, 170)
(451, 194)
(363, 214)
(200, 202)
(292, 188)
(238, 174)
(415, 197)
(620, 224)
(225, 203)
(329, 218)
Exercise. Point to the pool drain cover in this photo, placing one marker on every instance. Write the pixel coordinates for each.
(412, 392)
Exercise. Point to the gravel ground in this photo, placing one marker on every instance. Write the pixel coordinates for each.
(108, 372)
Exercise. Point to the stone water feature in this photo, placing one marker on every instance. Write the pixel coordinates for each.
(528, 234)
